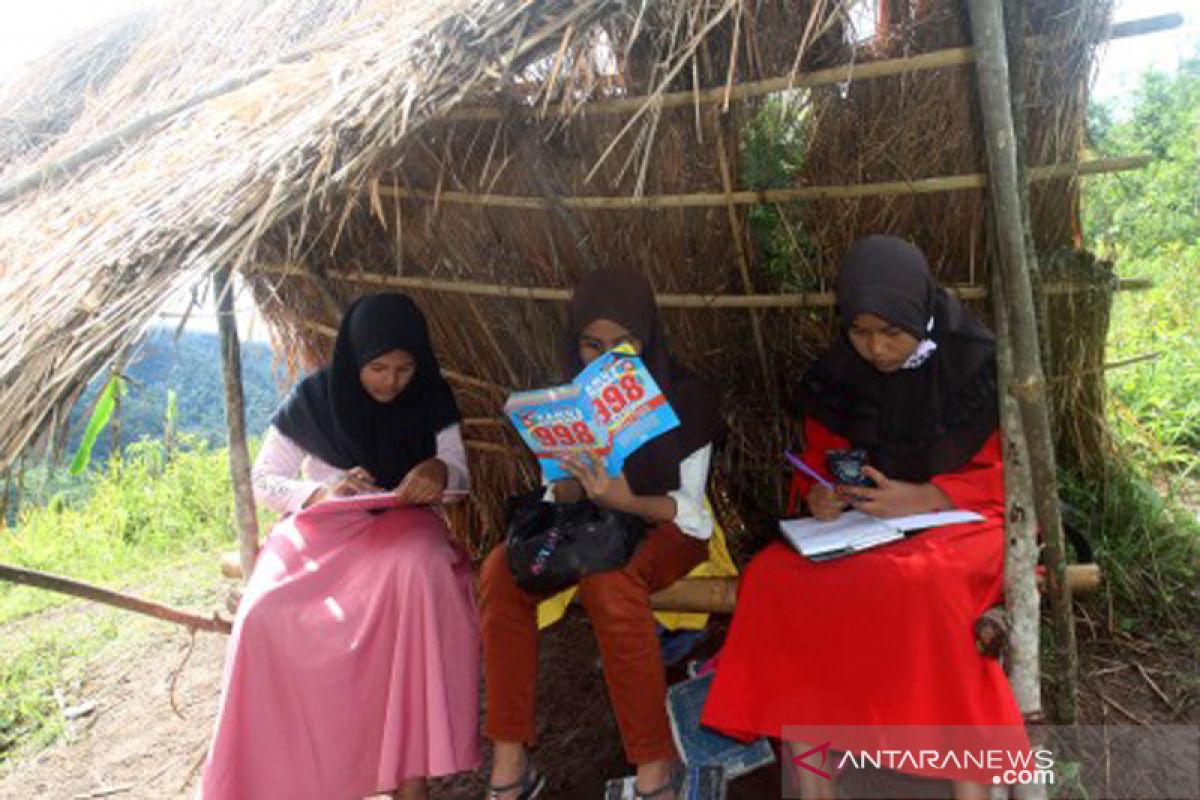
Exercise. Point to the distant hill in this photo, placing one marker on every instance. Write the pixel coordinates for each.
(192, 367)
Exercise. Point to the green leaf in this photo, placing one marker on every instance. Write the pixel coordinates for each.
(114, 389)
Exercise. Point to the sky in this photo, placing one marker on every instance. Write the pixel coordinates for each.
(27, 30)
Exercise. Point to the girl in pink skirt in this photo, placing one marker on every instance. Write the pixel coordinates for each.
(353, 668)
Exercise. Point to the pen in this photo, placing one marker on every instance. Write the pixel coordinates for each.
(806, 469)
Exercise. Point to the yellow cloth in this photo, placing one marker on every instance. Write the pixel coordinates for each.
(719, 564)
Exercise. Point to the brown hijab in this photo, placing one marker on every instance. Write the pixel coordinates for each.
(626, 297)
(930, 417)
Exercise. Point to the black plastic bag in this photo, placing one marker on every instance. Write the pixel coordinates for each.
(552, 545)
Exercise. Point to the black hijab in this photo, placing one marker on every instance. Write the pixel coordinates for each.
(626, 297)
(919, 421)
(330, 414)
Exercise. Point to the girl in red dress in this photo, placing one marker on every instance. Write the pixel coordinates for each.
(884, 638)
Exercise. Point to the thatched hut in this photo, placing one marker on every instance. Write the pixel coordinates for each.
(482, 154)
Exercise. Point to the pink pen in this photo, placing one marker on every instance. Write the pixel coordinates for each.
(806, 469)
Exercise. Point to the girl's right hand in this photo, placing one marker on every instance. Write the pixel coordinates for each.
(354, 481)
(824, 503)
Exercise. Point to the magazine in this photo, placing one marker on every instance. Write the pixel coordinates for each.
(703, 747)
(609, 410)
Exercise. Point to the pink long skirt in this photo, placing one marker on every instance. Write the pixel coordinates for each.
(353, 664)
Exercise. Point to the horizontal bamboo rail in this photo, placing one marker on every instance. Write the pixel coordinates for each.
(719, 595)
(938, 59)
(760, 197)
(665, 300)
(844, 73)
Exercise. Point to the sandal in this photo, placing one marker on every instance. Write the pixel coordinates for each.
(530, 785)
(673, 784)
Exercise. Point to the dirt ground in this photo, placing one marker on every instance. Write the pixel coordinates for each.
(144, 740)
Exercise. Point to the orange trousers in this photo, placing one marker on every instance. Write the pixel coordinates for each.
(618, 604)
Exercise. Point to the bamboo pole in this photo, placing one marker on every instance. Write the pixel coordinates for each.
(719, 595)
(57, 583)
(1028, 386)
(947, 183)
(844, 73)
(665, 300)
(235, 421)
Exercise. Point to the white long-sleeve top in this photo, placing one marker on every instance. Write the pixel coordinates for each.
(692, 514)
(285, 475)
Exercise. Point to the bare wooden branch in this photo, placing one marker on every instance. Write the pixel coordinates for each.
(948, 183)
(235, 421)
(1141, 27)
(992, 77)
(87, 591)
(1020, 528)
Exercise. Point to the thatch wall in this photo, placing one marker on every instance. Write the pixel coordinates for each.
(345, 167)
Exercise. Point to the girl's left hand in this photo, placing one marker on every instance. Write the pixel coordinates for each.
(601, 489)
(424, 483)
(891, 498)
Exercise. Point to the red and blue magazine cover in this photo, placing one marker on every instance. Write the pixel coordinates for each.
(610, 409)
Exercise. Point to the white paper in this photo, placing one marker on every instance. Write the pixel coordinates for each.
(853, 531)
(934, 519)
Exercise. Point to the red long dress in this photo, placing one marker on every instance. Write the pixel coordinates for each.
(880, 638)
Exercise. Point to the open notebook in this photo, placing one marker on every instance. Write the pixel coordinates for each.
(855, 531)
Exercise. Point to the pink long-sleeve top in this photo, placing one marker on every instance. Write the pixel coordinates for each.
(285, 475)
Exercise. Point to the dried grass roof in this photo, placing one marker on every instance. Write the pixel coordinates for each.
(87, 260)
(329, 154)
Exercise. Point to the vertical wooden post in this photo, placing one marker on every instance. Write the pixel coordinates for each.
(1021, 598)
(1027, 386)
(235, 421)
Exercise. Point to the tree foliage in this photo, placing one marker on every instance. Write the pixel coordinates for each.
(1148, 222)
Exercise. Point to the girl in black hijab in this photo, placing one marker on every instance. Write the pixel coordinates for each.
(881, 640)
(912, 379)
(664, 483)
(379, 406)
(353, 668)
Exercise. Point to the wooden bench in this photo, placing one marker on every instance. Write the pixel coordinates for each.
(719, 595)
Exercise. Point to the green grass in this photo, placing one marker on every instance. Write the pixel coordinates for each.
(142, 511)
(1142, 509)
(1147, 546)
(151, 525)
(1155, 405)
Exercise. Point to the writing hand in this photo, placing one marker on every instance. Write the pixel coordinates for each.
(354, 481)
(824, 503)
(424, 483)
